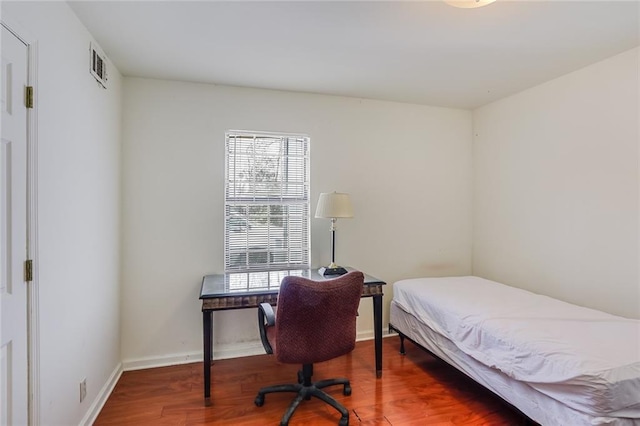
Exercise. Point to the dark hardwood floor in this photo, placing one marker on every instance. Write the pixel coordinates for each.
(415, 389)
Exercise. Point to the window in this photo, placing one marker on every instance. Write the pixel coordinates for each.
(266, 201)
(242, 282)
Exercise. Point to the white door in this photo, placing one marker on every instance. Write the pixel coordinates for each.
(13, 230)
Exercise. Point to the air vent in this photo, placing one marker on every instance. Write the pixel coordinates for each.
(98, 65)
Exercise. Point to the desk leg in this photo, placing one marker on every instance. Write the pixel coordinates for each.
(377, 328)
(207, 318)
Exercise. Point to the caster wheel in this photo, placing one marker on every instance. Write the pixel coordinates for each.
(259, 401)
(344, 421)
(347, 391)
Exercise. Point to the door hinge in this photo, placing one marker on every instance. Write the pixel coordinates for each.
(28, 270)
(29, 97)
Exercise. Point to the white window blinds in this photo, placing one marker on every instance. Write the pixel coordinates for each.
(266, 201)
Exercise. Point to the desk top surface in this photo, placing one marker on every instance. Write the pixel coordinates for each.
(264, 282)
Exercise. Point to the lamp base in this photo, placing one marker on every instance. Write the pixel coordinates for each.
(328, 271)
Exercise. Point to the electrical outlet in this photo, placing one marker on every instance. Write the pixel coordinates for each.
(83, 389)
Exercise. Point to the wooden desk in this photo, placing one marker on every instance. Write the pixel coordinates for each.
(240, 290)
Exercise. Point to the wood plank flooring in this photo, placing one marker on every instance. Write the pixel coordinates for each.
(415, 389)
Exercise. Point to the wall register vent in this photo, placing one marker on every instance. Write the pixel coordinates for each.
(98, 65)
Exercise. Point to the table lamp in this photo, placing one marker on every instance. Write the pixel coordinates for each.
(333, 205)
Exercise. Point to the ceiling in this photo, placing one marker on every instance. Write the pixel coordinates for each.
(424, 52)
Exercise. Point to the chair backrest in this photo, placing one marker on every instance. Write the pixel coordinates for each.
(316, 320)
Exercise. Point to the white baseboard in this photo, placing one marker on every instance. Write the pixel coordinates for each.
(161, 361)
(93, 411)
(237, 350)
(364, 335)
(220, 351)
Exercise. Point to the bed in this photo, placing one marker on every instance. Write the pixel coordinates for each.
(558, 363)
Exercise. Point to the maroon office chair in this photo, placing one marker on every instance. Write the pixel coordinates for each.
(315, 322)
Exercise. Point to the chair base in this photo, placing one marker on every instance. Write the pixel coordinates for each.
(305, 390)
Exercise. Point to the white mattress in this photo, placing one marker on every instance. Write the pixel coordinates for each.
(586, 360)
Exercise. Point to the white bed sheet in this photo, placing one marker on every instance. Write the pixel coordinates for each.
(535, 405)
(586, 359)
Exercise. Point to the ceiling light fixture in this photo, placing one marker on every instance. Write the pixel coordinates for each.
(468, 4)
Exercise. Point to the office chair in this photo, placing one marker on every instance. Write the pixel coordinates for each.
(315, 321)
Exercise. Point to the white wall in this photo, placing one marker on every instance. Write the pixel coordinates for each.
(78, 213)
(407, 167)
(556, 187)
(556, 198)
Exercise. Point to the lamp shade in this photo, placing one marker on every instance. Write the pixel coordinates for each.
(334, 205)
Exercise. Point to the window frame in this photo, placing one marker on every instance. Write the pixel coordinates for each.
(258, 199)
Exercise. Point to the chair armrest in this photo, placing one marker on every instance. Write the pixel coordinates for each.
(266, 318)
